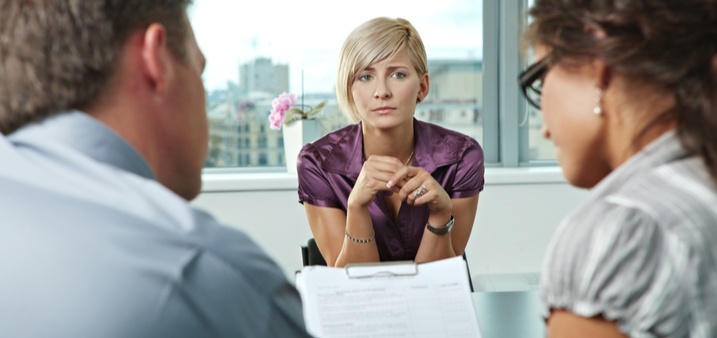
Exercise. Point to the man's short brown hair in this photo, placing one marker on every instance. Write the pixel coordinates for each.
(57, 55)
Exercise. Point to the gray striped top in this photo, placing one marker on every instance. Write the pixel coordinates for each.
(642, 248)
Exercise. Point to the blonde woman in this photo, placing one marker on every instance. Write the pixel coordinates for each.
(388, 187)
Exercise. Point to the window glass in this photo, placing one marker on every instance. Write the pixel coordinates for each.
(541, 149)
(254, 53)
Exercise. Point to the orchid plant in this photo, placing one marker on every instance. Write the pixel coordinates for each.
(283, 113)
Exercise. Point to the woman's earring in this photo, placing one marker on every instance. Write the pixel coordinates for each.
(597, 110)
(418, 99)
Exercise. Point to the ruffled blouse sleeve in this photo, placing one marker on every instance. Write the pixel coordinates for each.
(632, 271)
(469, 178)
(314, 184)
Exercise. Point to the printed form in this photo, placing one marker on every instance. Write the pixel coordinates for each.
(401, 299)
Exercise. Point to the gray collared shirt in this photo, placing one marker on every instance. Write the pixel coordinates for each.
(642, 248)
(92, 246)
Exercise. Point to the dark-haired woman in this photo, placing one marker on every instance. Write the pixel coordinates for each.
(628, 94)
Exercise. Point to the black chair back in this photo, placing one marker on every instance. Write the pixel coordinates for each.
(311, 255)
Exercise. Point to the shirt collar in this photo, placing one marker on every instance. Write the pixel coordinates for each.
(664, 149)
(85, 134)
(432, 150)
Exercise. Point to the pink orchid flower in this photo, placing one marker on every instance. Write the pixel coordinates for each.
(279, 106)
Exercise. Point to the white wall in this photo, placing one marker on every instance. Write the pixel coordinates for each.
(517, 213)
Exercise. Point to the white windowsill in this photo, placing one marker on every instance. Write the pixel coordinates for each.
(229, 181)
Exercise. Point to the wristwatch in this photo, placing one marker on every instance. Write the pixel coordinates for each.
(442, 230)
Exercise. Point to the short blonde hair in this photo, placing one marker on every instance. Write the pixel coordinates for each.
(374, 41)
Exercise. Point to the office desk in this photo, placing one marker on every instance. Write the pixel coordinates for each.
(509, 314)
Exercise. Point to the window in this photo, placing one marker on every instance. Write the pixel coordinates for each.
(255, 53)
(541, 149)
(511, 137)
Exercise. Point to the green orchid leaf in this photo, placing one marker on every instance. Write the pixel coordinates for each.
(290, 119)
(316, 109)
(295, 114)
(321, 105)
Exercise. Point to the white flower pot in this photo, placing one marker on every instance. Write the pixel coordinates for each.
(296, 135)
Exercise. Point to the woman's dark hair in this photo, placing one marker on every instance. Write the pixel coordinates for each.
(57, 55)
(670, 44)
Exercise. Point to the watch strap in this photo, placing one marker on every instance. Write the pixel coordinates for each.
(442, 230)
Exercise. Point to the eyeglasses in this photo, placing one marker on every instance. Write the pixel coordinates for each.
(531, 80)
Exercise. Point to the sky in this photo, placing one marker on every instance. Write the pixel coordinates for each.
(308, 34)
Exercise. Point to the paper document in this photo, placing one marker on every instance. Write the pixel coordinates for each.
(389, 300)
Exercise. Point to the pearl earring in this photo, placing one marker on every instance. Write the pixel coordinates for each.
(597, 110)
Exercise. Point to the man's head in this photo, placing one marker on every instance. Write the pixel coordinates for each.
(134, 65)
(60, 55)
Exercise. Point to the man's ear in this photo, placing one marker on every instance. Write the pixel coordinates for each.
(156, 57)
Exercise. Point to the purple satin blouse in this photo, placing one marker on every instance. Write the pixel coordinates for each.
(329, 167)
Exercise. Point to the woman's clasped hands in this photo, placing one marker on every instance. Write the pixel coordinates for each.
(412, 184)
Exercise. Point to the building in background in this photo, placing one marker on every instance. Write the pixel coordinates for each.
(455, 99)
(238, 115)
(263, 77)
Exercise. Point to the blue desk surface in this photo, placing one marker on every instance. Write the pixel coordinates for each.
(515, 314)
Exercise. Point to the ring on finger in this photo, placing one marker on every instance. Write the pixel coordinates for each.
(420, 191)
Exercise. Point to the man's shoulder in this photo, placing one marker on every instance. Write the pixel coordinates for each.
(137, 264)
(232, 245)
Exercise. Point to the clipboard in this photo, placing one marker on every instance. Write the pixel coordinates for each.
(386, 269)
(391, 299)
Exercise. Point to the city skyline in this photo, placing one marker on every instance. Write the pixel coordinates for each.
(228, 39)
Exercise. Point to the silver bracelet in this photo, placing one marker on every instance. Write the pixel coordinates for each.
(360, 240)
